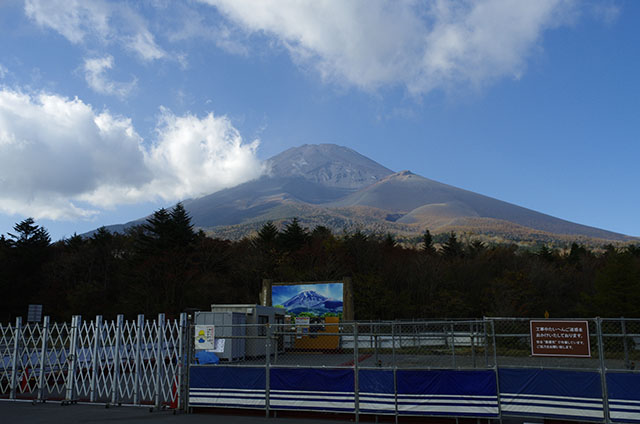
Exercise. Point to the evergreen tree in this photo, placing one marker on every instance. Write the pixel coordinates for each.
(30, 235)
(389, 242)
(30, 249)
(427, 243)
(321, 233)
(476, 247)
(268, 234)
(546, 253)
(452, 248)
(157, 230)
(180, 226)
(294, 236)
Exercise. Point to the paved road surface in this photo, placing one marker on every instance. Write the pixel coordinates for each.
(53, 413)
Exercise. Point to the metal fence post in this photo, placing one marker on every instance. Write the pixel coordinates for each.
(267, 356)
(116, 360)
(472, 328)
(356, 384)
(376, 330)
(182, 367)
(624, 343)
(453, 346)
(603, 369)
(189, 360)
(393, 344)
(73, 356)
(159, 359)
(276, 343)
(486, 342)
(17, 334)
(95, 357)
(43, 357)
(495, 368)
(395, 370)
(136, 377)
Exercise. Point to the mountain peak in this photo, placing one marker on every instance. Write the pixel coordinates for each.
(329, 165)
(307, 298)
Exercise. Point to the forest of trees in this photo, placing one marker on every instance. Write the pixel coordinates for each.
(166, 266)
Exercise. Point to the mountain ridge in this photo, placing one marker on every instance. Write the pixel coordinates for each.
(339, 188)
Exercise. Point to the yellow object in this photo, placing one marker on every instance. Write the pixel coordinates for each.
(322, 339)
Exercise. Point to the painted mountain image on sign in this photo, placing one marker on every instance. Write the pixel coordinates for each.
(313, 299)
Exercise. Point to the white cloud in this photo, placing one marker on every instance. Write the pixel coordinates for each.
(196, 156)
(607, 12)
(95, 73)
(421, 45)
(3, 71)
(103, 21)
(60, 159)
(194, 24)
(74, 19)
(144, 45)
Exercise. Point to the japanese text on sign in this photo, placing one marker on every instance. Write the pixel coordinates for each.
(560, 338)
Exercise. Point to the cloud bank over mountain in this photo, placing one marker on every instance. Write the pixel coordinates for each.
(419, 45)
(62, 159)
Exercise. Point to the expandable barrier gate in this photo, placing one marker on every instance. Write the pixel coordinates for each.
(114, 362)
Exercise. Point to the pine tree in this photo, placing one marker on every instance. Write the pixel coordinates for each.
(294, 236)
(427, 243)
(268, 234)
(181, 228)
(452, 247)
(30, 235)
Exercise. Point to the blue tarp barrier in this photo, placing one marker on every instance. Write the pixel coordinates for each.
(623, 390)
(447, 392)
(377, 392)
(227, 386)
(312, 389)
(551, 393)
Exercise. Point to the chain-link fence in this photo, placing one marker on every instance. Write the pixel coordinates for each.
(621, 343)
(450, 344)
(398, 351)
(423, 345)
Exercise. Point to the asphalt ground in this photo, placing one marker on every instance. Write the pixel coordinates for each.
(53, 413)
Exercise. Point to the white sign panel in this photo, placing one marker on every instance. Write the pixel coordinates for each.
(205, 337)
(302, 326)
(219, 346)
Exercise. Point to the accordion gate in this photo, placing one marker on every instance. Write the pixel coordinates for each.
(112, 362)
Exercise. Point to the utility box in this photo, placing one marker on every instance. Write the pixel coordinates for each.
(257, 317)
(227, 325)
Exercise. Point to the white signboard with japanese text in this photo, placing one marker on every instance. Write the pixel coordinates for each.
(560, 338)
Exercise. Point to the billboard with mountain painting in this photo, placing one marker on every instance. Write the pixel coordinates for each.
(316, 299)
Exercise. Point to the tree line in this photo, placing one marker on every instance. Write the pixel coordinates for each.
(166, 266)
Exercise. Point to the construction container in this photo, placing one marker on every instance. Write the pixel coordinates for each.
(230, 327)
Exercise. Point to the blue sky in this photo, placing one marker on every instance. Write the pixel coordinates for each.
(110, 110)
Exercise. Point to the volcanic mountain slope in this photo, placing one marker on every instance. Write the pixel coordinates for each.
(429, 203)
(311, 301)
(337, 187)
(307, 175)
